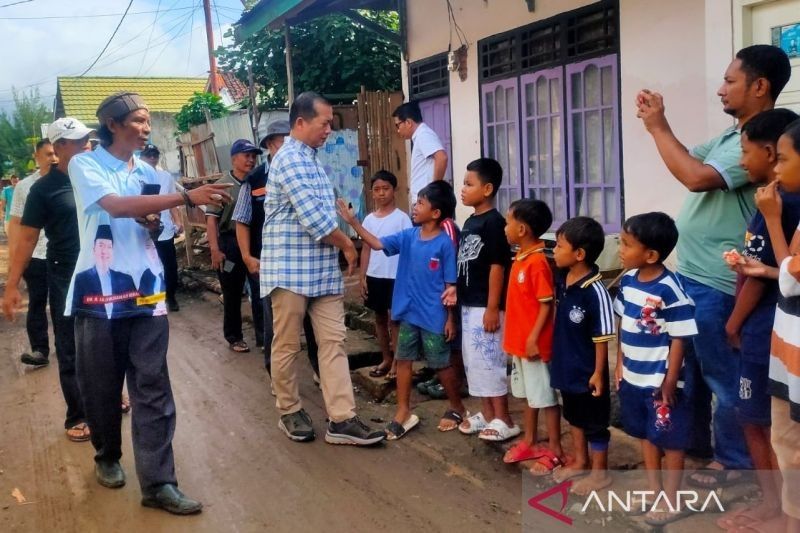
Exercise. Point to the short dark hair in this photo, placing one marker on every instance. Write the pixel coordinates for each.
(533, 213)
(766, 61)
(384, 175)
(440, 194)
(793, 132)
(41, 144)
(303, 106)
(488, 170)
(585, 233)
(409, 110)
(656, 231)
(768, 126)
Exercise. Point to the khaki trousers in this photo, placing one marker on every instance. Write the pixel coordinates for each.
(327, 318)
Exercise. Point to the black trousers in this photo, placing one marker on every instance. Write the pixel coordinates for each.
(59, 275)
(232, 284)
(269, 332)
(108, 351)
(166, 252)
(35, 277)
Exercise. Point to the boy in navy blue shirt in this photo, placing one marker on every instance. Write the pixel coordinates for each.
(584, 324)
(426, 270)
(749, 327)
(656, 318)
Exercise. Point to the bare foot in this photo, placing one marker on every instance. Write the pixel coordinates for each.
(570, 470)
(594, 481)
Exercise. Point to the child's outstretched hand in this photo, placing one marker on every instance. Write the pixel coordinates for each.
(755, 269)
(596, 384)
(347, 213)
(768, 200)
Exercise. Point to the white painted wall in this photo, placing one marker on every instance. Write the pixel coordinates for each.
(679, 48)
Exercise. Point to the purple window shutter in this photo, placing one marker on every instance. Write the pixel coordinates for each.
(500, 101)
(593, 140)
(543, 151)
(436, 114)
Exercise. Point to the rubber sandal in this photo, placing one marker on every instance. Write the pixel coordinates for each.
(476, 423)
(658, 518)
(84, 434)
(454, 416)
(721, 478)
(730, 519)
(499, 431)
(522, 451)
(549, 460)
(395, 430)
(378, 372)
(239, 347)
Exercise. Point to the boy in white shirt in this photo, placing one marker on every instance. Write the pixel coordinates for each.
(378, 271)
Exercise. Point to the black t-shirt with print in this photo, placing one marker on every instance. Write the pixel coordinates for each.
(483, 244)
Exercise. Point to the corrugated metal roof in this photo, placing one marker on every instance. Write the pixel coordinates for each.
(79, 97)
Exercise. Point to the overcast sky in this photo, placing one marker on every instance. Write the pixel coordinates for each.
(36, 49)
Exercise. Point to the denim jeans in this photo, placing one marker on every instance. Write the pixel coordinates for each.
(712, 366)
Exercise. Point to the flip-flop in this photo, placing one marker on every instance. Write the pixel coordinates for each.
(476, 423)
(454, 416)
(730, 520)
(549, 460)
(84, 435)
(239, 346)
(522, 451)
(395, 430)
(499, 431)
(378, 372)
(721, 478)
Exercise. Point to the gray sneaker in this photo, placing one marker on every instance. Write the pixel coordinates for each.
(297, 426)
(353, 431)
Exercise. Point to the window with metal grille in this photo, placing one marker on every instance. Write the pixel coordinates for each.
(540, 46)
(428, 77)
(499, 56)
(591, 32)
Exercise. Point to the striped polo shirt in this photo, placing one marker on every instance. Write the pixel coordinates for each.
(784, 364)
(652, 314)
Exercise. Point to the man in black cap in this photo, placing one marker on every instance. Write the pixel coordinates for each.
(171, 219)
(226, 257)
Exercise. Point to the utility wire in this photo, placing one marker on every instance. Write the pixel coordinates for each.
(109, 40)
(16, 3)
(101, 15)
(153, 27)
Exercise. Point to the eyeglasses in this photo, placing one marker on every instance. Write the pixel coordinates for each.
(397, 124)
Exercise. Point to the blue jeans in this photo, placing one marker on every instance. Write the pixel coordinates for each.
(712, 366)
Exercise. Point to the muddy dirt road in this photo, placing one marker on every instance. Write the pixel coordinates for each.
(231, 455)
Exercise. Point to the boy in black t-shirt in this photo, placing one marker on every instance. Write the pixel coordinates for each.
(484, 257)
(584, 324)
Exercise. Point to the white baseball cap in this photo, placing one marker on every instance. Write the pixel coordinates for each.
(67, 128)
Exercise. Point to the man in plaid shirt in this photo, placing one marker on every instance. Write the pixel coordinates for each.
(300, 272)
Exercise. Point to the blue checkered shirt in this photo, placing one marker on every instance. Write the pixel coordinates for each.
(299, 211)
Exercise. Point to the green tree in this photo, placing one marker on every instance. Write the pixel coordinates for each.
(194, 112)
(21, 130)
(332, 55)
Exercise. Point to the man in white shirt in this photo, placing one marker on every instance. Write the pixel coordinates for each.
(35, 274)
(428, 157)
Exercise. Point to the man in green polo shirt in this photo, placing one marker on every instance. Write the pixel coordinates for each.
(713, 219)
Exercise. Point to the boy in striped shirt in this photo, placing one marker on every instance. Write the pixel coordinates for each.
(656, 318)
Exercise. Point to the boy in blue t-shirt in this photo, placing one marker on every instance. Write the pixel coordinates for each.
(426, 271)
(656, 318)
(584, 325)
(749, 327)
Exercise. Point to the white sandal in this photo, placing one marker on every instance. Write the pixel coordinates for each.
(501, 428)
(477, 423)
